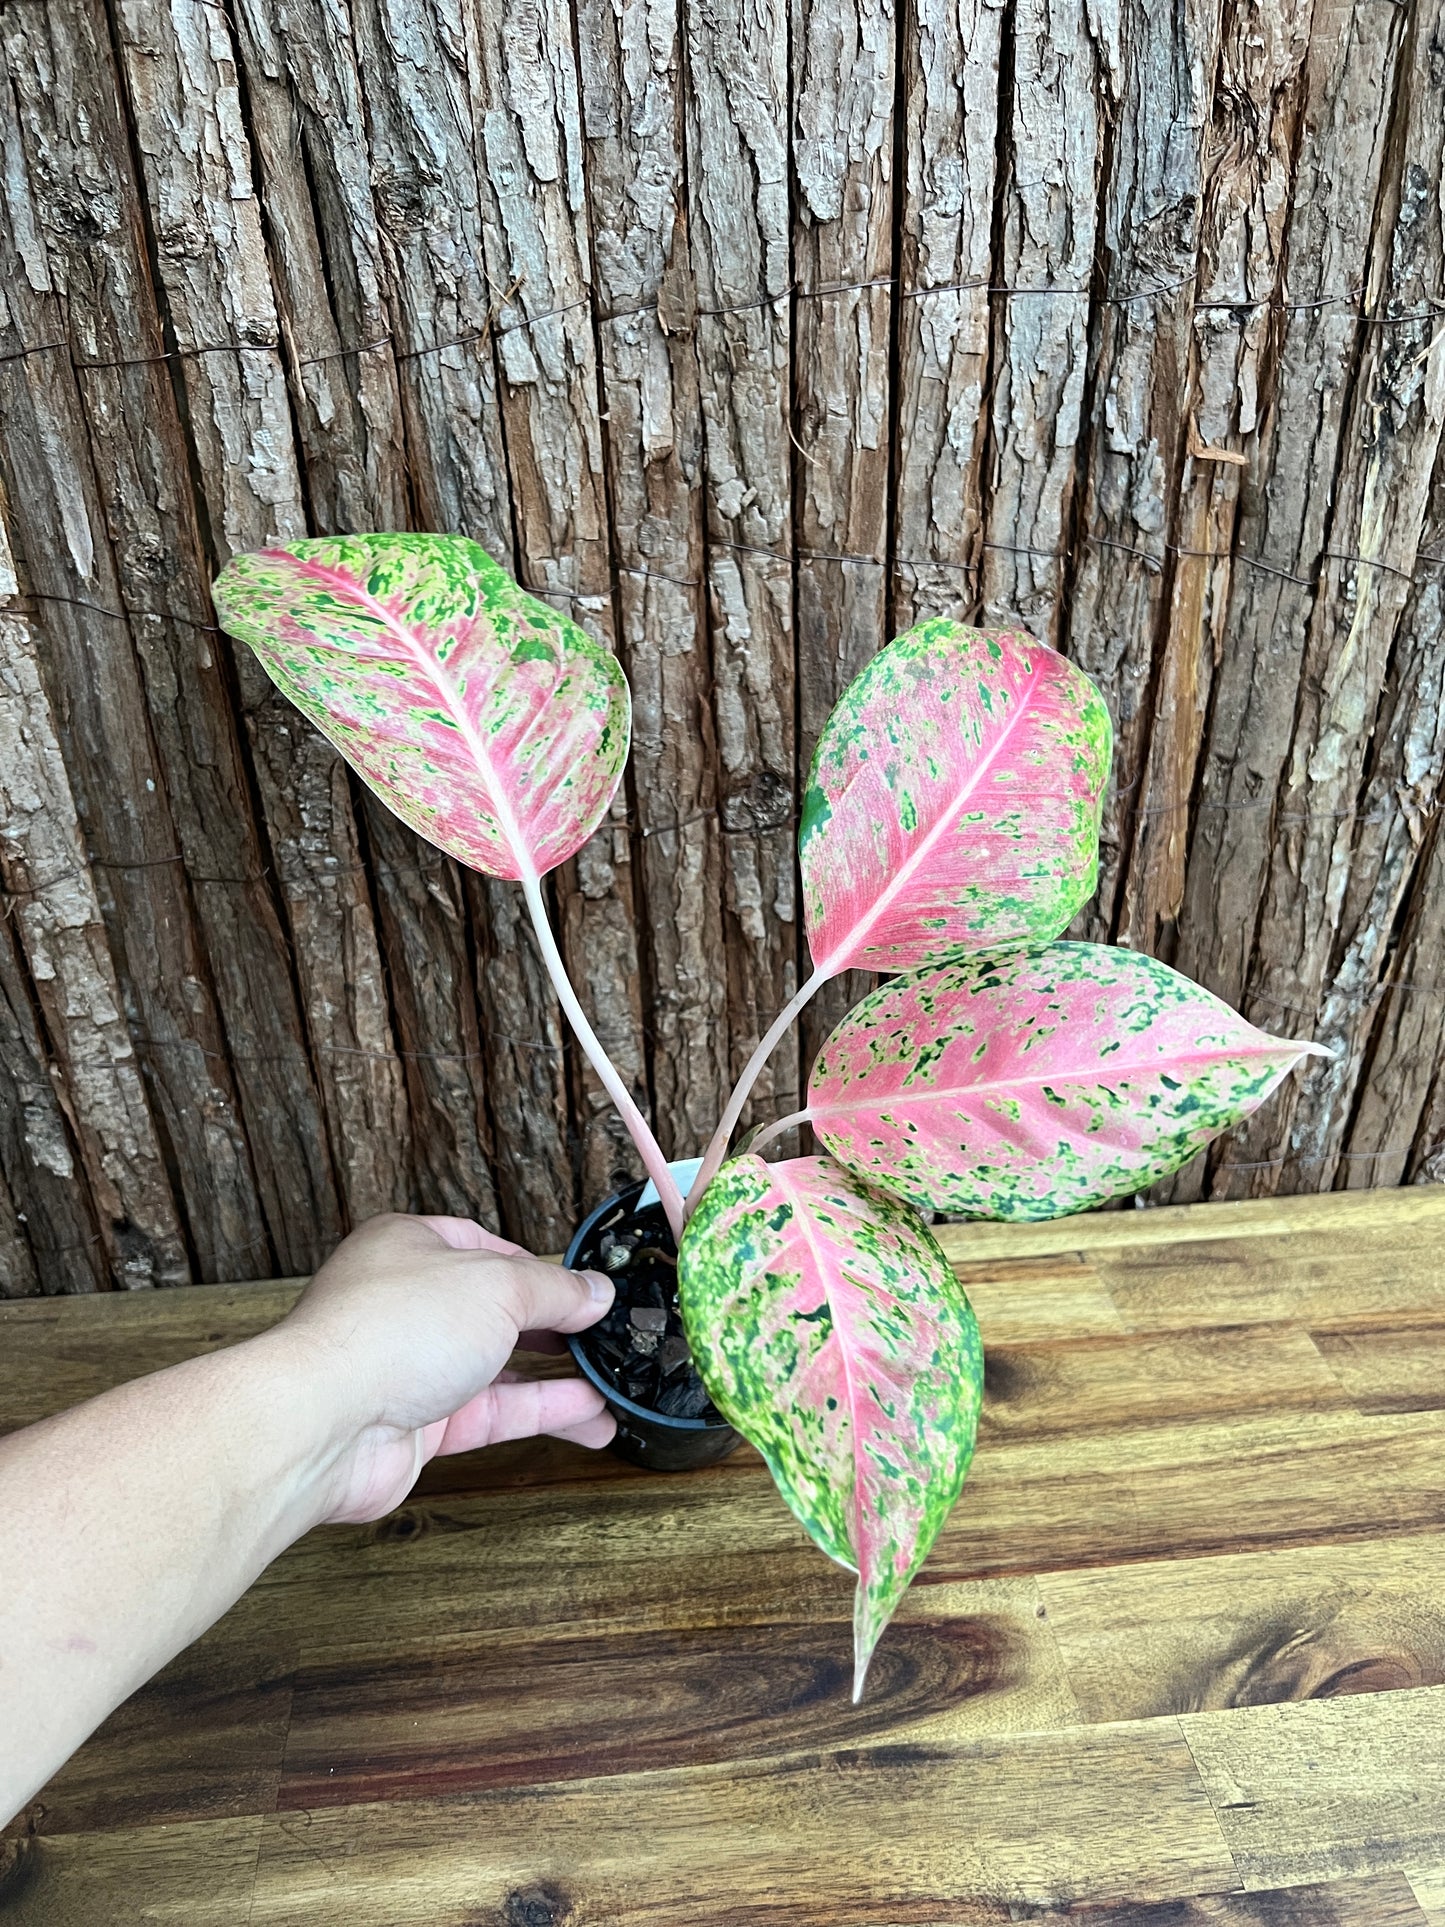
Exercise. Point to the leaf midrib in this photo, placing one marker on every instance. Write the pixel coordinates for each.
(803, 1221)
(337, 579)
(860, 929)
(936, 1093)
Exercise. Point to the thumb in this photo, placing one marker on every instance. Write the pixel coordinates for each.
(540, 1297)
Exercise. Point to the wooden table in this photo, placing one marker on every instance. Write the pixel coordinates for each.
(1179, 1657)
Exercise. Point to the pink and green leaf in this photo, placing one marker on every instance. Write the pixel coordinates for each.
(486, 719)
(1037, 1083)
(831, 1332)
(953, 802)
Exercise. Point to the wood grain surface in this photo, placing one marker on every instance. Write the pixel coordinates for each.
(1178, 1657)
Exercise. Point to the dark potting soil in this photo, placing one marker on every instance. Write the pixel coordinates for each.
(639, 1346)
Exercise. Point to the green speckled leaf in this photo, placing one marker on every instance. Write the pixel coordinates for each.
(1037, 1083)
(831, 1331)
(953, 802)
(486, 719)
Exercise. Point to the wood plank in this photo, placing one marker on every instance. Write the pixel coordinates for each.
(1030, 1298)
(495, 1682)
(1019, 1304)
(1383, 1901)
(1355, 1215)
(55, 1880)
(1328, 1787)
(1331, 1261)
(1428, 1886)
(721, 1548)
(718, 1548)
(1312, 1278)
(950, 1832)
(166, 1876)
(1062, 1389)
(53, 1363)
(1251, 1629)
(431, 1718)
(1093, 1382)
(203, 1740)
(57, 1354)
(1389, 1368)
(1145, 1494)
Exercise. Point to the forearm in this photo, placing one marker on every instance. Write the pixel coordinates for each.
(130, 1524)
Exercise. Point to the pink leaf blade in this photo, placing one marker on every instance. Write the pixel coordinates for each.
(1039, 1083)
(953, 801)
(831, 1332)
(485, 719)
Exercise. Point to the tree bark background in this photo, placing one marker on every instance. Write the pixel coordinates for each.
(749, 332)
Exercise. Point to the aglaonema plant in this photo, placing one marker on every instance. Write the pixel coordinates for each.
(948, 835)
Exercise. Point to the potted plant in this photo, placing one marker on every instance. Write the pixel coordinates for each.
(948, 835)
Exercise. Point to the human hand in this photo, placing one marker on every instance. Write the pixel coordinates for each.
(412, 1320)
(395, 1351)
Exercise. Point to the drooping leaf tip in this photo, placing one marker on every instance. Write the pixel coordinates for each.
(1306, 1047)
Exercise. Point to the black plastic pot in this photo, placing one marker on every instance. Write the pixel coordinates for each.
(655, 1440)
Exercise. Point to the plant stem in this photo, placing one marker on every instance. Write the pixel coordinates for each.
(648, 1147)
(770, 1131)
(722, 1136)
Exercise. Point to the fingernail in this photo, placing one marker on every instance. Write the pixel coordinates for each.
(599, 1284)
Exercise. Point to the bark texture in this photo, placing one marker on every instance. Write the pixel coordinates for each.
(60, 933)
(749, 332)
(951, 101)
(843, 93)
(736, 56)
(635, 137)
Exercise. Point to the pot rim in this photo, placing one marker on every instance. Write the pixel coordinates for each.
(628, 1195)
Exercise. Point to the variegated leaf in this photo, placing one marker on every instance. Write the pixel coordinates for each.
(831, 1332)
(1039, 1082)
(486, 719)
(953, 801)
